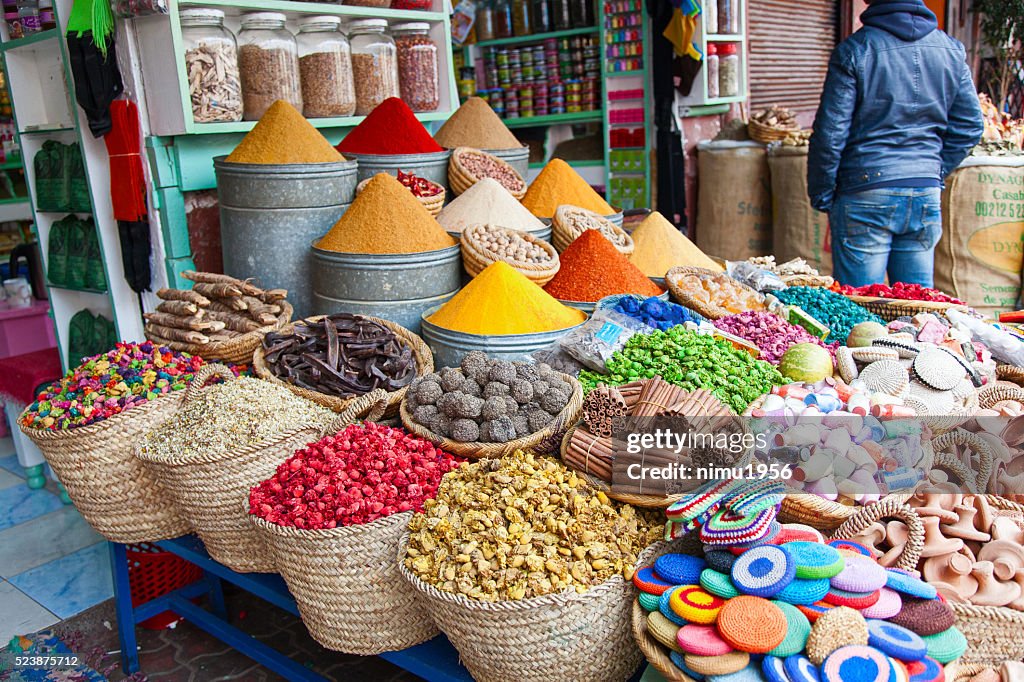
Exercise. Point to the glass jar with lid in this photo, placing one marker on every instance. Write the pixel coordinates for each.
(325, 67)
(374, 63)
(561, 15)
(711, 59)
(728, 17)
(268, 62)
(522, 17)
(418, 78)
(728, 70)
(211, 64)
(484, 24)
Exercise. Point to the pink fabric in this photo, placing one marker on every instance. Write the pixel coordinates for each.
(20, 375)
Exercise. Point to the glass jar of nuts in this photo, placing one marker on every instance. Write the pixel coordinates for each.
(268, 60)
(325, 65)
(211, 63)
(374, 63)
(417, 66)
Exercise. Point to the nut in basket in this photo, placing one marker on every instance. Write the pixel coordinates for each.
(572, 221)
(486, 244)
(468, 166)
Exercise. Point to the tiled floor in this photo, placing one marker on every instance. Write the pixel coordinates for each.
(52, 564)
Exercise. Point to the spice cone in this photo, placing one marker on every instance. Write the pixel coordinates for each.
(475, 124)
(559, 184)
(391, 128)
(283, 136)
(592, 268)
(660, 246)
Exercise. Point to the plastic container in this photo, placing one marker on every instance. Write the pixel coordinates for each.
(374, 63)
(23, 330)
(325, 67)
(728, 17)
(268, 62)
(503, 26)
(152, 573)
(728, 70)
(418, 78)
(710, 13)
(217, 93)
(542, 16)
(712, 63)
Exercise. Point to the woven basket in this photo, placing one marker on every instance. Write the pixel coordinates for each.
(461, 178)
(710, 310)
(237, 351)
(564, 233)
(112, 490)
(210, 489)
(960, 672)
(999, 391)
(759, 132)
(890, 309)
(816, 281)
(347, 585)
(565, 636)
(424, 366)
(476, 257)
(433, 204)
(975, 478)
(547, 441)
(1011, 373)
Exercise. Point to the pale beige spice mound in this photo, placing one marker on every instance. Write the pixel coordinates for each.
(475, 124)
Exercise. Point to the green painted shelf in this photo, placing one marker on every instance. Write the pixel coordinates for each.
(81, 290)
(623, 74)
(321, 8)
(13, 200)
(12, 165)
(53, 130)
(537, 37)
(583, 163)
(336, 122)
(30, 39)
(555, 119)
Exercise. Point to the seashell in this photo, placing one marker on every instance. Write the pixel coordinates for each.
(964, 389)
(938, 403)
(907, 364)
(938, 369)
(874, 354)
(845, 364)
(885, 376)
(917, 405)
(905, 348)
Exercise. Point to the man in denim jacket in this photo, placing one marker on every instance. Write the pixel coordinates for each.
(898, 114)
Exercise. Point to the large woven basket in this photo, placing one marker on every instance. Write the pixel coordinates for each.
(211, 489)
(113, 491)
(708, 309)
(347, 585)
(564, 233)
(461, 178)
(476, 256)
(565, 636)
(890, 309)
(544, 442)
(1011, 373)
(433, 204)
(759, 132)
(238, 350)
(424, 366)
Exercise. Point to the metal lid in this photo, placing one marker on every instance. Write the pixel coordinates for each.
(412, 26)
(262, 16)
(200, 13)
(357, 24)
(320, 19)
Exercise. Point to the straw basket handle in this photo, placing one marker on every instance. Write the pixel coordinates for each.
(373, 405)
(975, 444)
(205, 373)
(890, 507)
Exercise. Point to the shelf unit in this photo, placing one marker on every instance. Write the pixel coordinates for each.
(695, 103)
(42, 95)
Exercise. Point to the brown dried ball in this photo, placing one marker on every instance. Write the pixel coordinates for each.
(466, 406)
(554, 401)
(544, 370)
(444, 426)
(501, 430)
(427, 416)
(472, 388)
(447, 404)
(495, 388)
(474, 363)
(503, 371)
(493, 408)
(465, 431)
(527, 371)
(522, 425)
(540, 388)
(485, 432)
(511, 406)
(522, 391)
(451, 379)
(427, 391)
(538, 419)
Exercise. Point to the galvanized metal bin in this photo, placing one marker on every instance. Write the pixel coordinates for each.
(540, 233)
(396, 287)
(616, 218)
(270, 213)
(449, 347)
(432, 166)
(517, 158)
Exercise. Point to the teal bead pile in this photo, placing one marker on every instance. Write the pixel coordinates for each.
(834, 310)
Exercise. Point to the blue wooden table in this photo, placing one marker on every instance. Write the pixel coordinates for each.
(435, 660)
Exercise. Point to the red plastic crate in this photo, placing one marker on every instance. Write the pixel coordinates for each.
(152, 573)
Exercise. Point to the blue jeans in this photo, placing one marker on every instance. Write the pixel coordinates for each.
(892, 230)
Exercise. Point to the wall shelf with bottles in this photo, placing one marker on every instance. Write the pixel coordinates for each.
(719, 38)
(538, 37)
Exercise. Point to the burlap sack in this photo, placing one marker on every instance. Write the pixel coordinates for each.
(800, 231)
(979, 256)
(734, 200)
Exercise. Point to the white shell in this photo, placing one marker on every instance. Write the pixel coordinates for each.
(874, 354)
(885, 376)
(845, 364)
(937, 369)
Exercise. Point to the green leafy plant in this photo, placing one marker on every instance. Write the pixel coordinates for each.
(1002, 31)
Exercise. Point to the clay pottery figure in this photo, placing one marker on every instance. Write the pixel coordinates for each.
(953, 570)
(935, 543)
(1007, 558)
(1004, 528)
(965, 528)
(991, 591)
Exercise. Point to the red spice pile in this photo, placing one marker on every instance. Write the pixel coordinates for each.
(901, 290)
(593, 268)
(391, 128)
(359, 475)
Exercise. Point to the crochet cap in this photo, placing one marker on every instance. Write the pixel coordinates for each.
(649, 602)
(665, 607)
(926, 670)
(752, 673)
(814, 560)
(702, 640)
(706, 500)
(718, 584)
(946, 646)
(838, 627)
(801, 669)
(726, 528)
(860, 574)
(768, 538)
(663, 630)
(855, 600)
(695, 605)
(857, 663)
(850, 546)
(814, 611)
(718, 665)
(896, 641)
(719, 559)
(752, 624)
(888, 605)
(797, 630)
(801, 592)
(647, 580)
(679, 569)
(910, 585)
(679, 661)
(763, 571)
(924, 616)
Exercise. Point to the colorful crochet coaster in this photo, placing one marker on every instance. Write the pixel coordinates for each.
(814, 560)
(752, 624)
(695, 605)
(679, 661)
(679, 569)
(663, 630)
(926, 670)
(752, 673)
(798, 532)
(888, 605)
(665, 608)
(718, 665)
(801, 669)
(946, 646)
(694, 508)
(857, 664)
(647, 580)
(815, 610)
(855, 600)
(925, 616)
(839, 627)
(860, 574)
(702, 640)
(718, 584)
(851, 546)
(725, 528)
(896, 641)
(649, 602)
(769, 538)
(774, 669)
(797, 630)
(801, 592)
(720, 559)
(905, 583)
(757, 496)
(763, 571)
(899, 669)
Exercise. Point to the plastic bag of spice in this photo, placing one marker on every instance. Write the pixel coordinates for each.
(754, 277)
(600, 337)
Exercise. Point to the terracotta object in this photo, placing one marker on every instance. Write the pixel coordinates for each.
(1007, 558)
(1004, 528)
(991, 591)
(1010, 485)
(896, 533)
(871, 537)
(949, 593)
(983, 521)
(1008, 408)
(1012, 671)
(1013, 434)
(1018, 603)
(964, 528)
(935, 543)
(953, 570)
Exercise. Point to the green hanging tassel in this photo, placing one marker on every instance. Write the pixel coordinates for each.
(95, 16)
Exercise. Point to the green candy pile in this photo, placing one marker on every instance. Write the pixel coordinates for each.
(691, 361)
(837, 312)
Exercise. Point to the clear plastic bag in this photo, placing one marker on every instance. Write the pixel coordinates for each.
(600, 337)
(754, 277)
(129, 9)
(558, 359)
